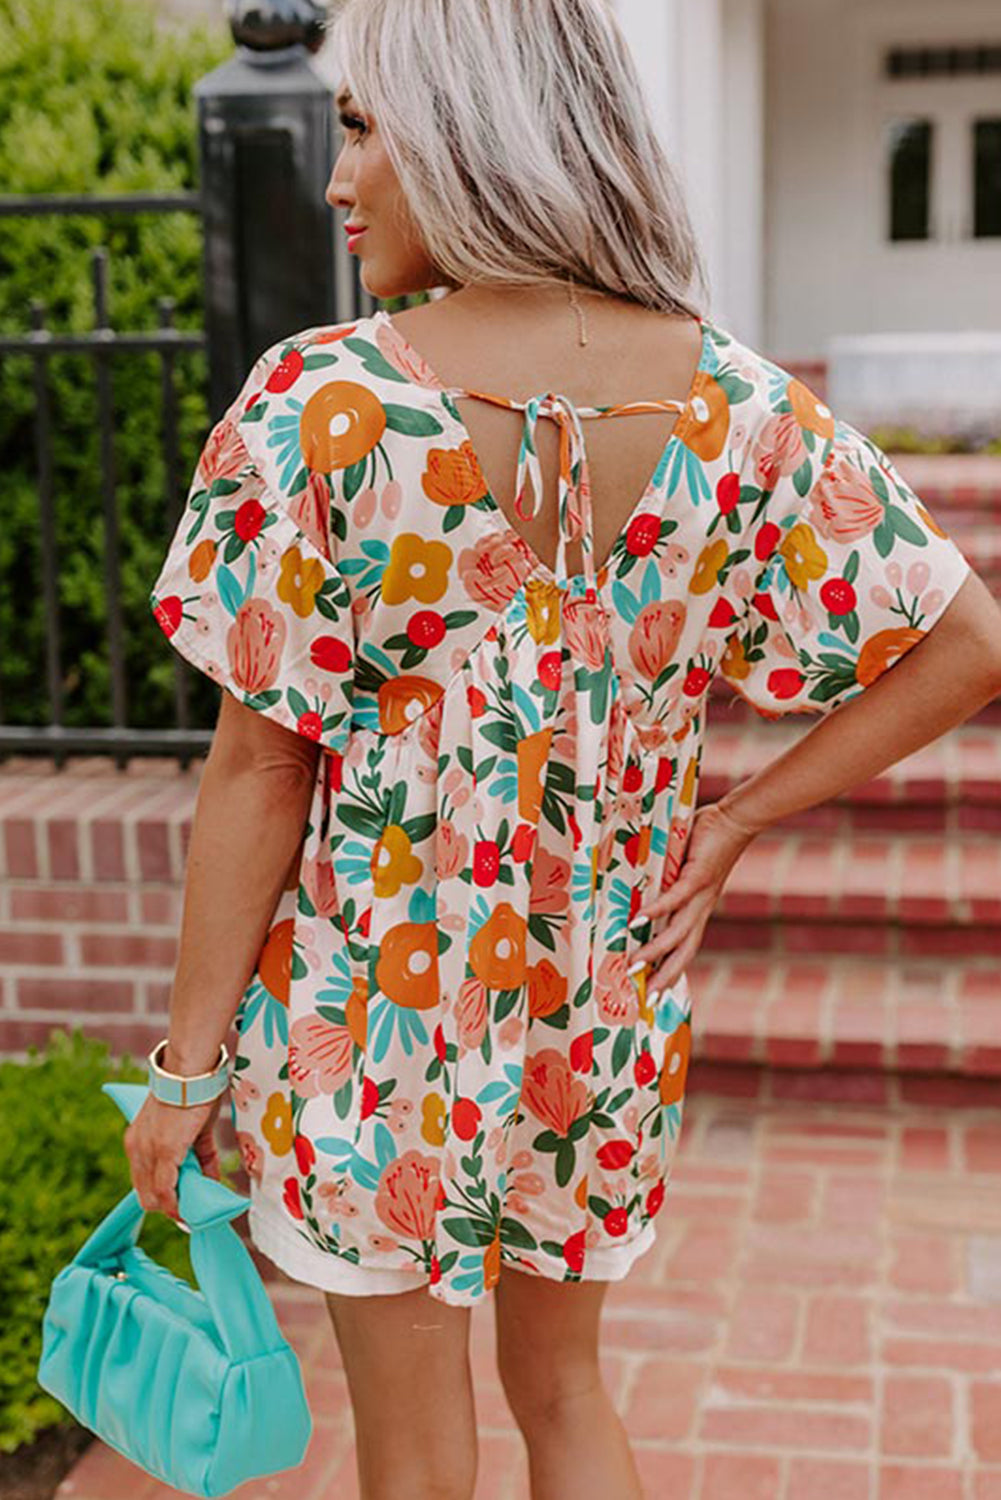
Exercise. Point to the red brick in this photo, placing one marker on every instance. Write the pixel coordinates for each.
(17, 1035)
(38, 947)
(134, 950)
(982, 1148)
(985, 1419)
(69, 903)
(160, 908)
(662, 1470)
(987, 1485)
(943, 1354)
(923, 1263)
(71, 994)
(64, 855)
(762, 1426)
(919, 1482)
(809, 1256)
(787, 1386)
(948, 1320)
(784, 1197)
(735, 1476)
(21, 848)
(924, 1149)
(153, 845)
(837, 1331)
(762, 1325)
(827, 1479)
(949, 1093)
(836, 1087)
(916, 1416)
(101, 1473)
(107, 843)
(663, 1399)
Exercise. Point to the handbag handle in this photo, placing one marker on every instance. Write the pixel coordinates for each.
(226, 1274)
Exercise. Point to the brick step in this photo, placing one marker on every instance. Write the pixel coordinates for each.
(726, 706)
(953, 481)
(951, 786)
(891, 896)
(848, 1012)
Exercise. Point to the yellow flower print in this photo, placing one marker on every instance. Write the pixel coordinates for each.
(733, 662)
(433, 1119)
(276, 1124)
(542, 611)
(711, 559)
(416, 570)
(393, 864)
(804, 557)
(300, 581)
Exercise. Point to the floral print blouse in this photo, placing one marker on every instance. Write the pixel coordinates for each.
(444, 1063)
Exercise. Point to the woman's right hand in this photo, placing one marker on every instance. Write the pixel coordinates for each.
(716, 840)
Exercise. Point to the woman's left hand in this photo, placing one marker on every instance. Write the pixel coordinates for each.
(156, 1143)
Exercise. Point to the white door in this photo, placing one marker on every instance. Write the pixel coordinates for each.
(937, 233)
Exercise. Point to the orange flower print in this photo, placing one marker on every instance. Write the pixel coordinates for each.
(274, 966)
(554, 1094)
(406, 969)
(340, 424)
(707, 566)
(804, 558)
(201, 560)
(676, 1058)
(254, 644)
(433, 1117)
(809, 411)
(550, 883)
(319, 1059)
(542, 611)
(654, 638)
(547, 989)
(416, 570)
(706, 433)
(497, 952)
(452, 476)
(300, 581)
(533, 753)
(404, 699)
(407, 1194)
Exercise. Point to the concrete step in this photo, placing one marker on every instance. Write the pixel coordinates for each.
(920, 1016)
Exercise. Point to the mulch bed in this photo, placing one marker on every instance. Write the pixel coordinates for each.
(34, 1471)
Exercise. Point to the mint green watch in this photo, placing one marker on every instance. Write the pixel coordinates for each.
(199, 1088)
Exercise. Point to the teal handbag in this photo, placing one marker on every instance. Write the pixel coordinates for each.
(199, 1388)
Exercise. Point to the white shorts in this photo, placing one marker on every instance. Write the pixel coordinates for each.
(302, 1261)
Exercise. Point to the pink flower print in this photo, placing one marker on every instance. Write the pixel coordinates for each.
(654, 638)
(254, 643)
(553, 1093)
(550, 883)
(363, 508)
(778, 448)
(672, 558)
(398, 353)
(244, 1090)
(391, 499)
(617, 995)
(471, 1012)
(451, 849)
(334, 1197)
(406, 1196)
(251, 1154)
(319, 1056)
(224, 453)
(398, 1115)
(585, 630)
(494, 569)
(510, 1031)
(843, 505)
(318, 878)
(310, 510)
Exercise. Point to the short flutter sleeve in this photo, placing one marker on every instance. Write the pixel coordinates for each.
(251, 599)
(857, 572)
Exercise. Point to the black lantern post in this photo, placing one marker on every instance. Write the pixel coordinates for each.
(266, 143)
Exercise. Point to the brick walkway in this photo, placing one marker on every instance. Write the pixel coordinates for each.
(819, 1320)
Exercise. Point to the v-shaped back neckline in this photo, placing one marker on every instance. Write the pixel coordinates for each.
(574, 521)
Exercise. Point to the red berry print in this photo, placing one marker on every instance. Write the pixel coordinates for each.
(466, 1116)
(582, 1052)
(642, 535)
(616, 1222)
(654, 1199)
(573, 1251)
(369, 1097)
(168, 614)
(330, 653)
(644, 1069)
(837, 596)
(305, 1155)
(248, 520)
(632, 777)
(426, 628)
(615, 1155)
(440, 1045)
(695, 682)
(549, 670)
(785, 682)
(765, 605)
(522, 841)
(728, 493)
(766, 540)
(291, 1197)
(486, 862)
(286, 373)
(477, 700)
(723, 614)
(310, 725)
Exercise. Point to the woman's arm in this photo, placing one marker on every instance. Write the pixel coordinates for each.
(938, 684)
(253, 801)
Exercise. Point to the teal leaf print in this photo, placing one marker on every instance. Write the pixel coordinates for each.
(650, 591)
(625, 602)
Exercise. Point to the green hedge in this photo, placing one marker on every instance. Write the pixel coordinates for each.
(95, 97)
(64, 1168)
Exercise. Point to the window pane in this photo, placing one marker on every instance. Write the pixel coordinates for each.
(986, 178)
(910, 178)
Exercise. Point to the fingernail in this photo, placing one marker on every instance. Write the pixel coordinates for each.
(638, 966)
(652, 996)
(639, 921)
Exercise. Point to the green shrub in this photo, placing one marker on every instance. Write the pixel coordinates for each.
(96, 98)
(65, 1168)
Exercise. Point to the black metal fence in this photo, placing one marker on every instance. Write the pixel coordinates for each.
(118, 739)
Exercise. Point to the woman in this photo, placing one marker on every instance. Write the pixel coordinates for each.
(447, 869)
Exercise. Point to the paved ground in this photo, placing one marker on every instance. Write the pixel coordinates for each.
(820, 1319)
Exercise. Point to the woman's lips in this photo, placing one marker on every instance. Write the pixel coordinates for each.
(354, 238)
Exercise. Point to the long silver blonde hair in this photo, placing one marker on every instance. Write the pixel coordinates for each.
(523, 144)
